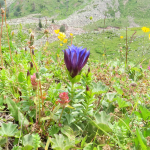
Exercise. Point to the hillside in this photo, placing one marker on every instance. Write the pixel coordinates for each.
(77, 12)
(59, 8)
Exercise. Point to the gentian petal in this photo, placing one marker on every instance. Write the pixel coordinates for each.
(81, 58)
(67, 59)
(84, 61)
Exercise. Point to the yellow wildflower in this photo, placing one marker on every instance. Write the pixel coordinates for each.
(71, 34)
(145, 29)
(56, 31)
(149, 36)
(57, 55)
(65, 41)
(60, 38)
(121, 37)
(63, 35)
(61, 44)
(103, 54)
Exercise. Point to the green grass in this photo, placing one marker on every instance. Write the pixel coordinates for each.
(121, 22)
(47, 7)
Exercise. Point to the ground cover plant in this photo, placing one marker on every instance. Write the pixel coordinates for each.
(74, 93)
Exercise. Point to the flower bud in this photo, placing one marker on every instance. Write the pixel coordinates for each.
(46, 31)
(37, 75)
(34, 82)
(87, 88)
(64, 99)
(31, 36)
(25, 49)
(31, 39)
(2, 11)
(88, 72)
(31, 65)
(16, 52)
(32, 52)
(28, 73)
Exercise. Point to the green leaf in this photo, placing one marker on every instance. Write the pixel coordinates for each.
(83, 141)
(17, 148)
(89, 146)
(53, 130)
(75, 79)
(61, 143)
(43, 70)
(95, 148)
(2, 141)
(118, 89)
(122, 103)
(1, 100)
(22, 119)
(145, 113)
(8, 130)
(70, 118)
(58, 86)
(141, 139)
(66, 130)
(15, 112)
(27, 140)
(110, 96)
(99, 88)
(27, 147)
(21, 77)
(103, 121)
(13, 108)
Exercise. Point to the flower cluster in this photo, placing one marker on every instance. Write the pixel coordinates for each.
(64, 99)
(75, 59)
(145, 29)
(61, 36)
(33, 81)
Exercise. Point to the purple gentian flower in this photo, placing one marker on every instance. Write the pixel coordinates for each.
(75, 59)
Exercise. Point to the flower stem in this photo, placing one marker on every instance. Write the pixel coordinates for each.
(7, 143)
(72, 92)
(39, 80)
(61, 115)
(39, 104)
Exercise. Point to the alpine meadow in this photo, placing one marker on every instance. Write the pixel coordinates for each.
(75, 75)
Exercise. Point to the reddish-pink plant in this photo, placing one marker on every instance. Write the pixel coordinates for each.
(148, 68)
(64, 99)
(33, 81)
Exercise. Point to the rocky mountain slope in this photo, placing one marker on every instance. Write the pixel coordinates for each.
(76, 13)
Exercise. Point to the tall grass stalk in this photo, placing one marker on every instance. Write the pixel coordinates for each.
(7, 32)
(2, 12)
(126, 48)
